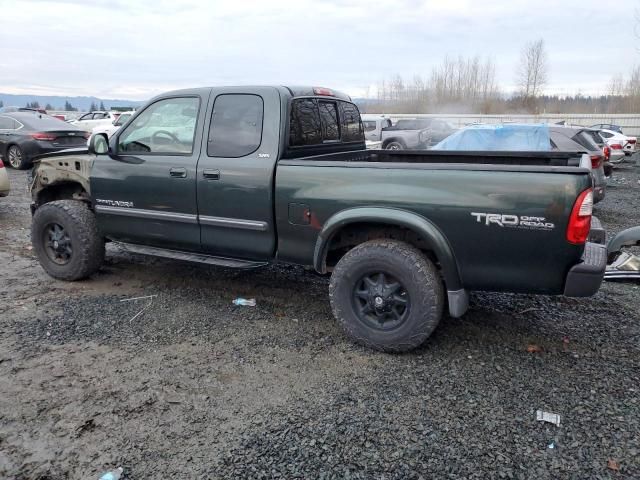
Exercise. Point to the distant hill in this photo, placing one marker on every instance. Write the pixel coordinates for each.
(58, 102)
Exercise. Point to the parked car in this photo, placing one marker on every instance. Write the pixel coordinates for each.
(4, 181)
(531, 137)
(610, 156)
(403, 233)
(607, 126)
(439, 129)
(405, 135)
(23, 135)
(91, 120)
(115, 125)
(373, 125)
(620, 142)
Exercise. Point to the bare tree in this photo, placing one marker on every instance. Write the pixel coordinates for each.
(532, 73)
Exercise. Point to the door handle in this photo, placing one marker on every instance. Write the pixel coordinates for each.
(178, 172)
(211, 174)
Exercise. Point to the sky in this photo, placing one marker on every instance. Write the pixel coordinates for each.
(134, 49)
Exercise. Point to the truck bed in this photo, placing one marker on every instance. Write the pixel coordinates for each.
(456, 192)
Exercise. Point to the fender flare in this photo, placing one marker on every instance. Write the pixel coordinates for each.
(396, 217)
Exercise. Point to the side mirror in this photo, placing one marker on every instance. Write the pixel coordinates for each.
(98, 144)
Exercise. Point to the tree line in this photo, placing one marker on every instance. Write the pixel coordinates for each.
(67, 106)
(468, 85)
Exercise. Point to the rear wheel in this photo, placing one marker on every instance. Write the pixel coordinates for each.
(16, 158)
(395, 145)
(386, 295)
(66, 240)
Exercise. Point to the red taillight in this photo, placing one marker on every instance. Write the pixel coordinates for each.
(616, 146)
(580, 219)
(607, 152)
(632, 141)
(44, 136)
(1, 164)
(596, 161)
(323, 91)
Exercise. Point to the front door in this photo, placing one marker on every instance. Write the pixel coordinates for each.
(145, 193)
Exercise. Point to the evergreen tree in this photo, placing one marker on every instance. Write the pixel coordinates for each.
(93, 107)
(68, 107)
(48, 106)
(102, 106)
(1, 104)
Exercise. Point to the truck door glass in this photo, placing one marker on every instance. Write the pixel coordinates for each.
(329, 121)
(167, 126)
(236, 125)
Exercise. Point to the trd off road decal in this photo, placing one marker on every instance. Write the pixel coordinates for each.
(513, 221)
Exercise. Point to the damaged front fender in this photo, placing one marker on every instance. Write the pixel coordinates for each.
(61, 175)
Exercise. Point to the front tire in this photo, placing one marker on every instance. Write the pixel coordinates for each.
(16, 158)
(66, 240)
(386, 295)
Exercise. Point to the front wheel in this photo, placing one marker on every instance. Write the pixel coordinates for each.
(386, 295)
(66, 240)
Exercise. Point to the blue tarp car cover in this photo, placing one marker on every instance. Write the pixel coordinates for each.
(510, 136)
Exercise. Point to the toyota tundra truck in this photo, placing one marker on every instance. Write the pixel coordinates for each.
(243, 177)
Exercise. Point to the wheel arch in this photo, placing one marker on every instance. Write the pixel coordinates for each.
(425, 229)
(68, 189)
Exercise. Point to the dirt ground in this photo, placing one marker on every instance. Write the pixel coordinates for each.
(185, 385)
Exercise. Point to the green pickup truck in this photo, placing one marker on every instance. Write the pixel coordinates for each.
(245, 176)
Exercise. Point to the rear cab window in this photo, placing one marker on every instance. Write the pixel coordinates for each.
(316, 121)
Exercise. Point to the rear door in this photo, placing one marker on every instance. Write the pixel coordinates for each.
(235, 176)
(147, 193)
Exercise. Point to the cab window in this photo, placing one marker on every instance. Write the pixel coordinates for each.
(166, 127)
(236, 125)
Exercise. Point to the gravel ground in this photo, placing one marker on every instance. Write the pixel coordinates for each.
(194, 387)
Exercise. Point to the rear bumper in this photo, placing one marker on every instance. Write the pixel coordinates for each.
(584, 279)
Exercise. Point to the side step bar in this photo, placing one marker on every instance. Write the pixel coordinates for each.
(189, 256)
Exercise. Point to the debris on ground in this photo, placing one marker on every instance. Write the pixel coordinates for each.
(245, 302)
(146, 297)
(112, 475)
(533, 348)
(548, 417)
(613, 465)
